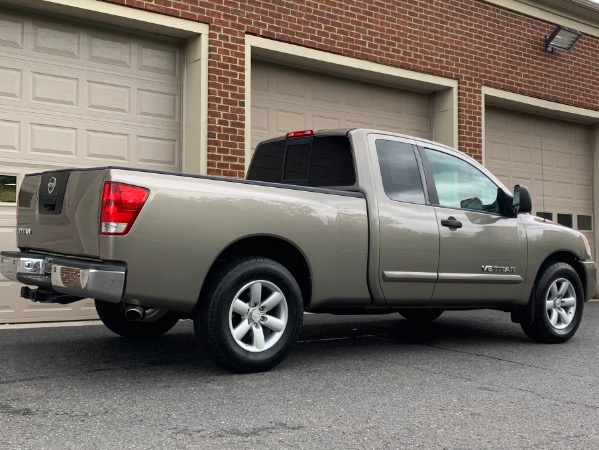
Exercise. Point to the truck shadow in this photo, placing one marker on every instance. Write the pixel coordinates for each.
(94, 352)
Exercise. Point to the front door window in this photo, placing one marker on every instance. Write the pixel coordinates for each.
(461, 185)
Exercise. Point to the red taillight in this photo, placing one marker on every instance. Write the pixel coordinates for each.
(299, 133)
(121, 204)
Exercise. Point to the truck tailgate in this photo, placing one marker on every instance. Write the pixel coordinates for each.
(58, 212)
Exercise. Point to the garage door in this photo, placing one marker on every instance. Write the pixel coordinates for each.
(552, 157)
(73, 95)
(286, 99)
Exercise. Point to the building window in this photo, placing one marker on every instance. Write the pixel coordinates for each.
(545, 215)
(565, 219)
(585, 223)
(8, 188)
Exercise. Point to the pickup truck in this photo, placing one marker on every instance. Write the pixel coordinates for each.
(347, 222)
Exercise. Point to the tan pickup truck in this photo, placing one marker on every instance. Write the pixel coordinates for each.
(351, 221)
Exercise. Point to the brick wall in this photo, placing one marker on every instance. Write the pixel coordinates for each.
(472, 41)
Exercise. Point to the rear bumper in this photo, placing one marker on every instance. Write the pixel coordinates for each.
(590, 270)
(66, 276)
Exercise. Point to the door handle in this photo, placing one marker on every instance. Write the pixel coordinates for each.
(451, 223)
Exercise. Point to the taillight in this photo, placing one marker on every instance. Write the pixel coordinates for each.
(121, 204)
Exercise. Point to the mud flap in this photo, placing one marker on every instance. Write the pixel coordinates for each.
(526, 314)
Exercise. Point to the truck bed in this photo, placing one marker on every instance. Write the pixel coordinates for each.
(188, 221)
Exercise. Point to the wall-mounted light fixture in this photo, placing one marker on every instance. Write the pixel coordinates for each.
(563, 38)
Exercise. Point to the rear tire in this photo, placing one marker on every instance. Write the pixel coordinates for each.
(420, 314)
(251, 315)
(558, 305)
(155, 323)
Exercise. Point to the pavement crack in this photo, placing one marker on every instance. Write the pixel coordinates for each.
(500, 387)
(258, 430)
(497, 358)
(9, 410)
(22, 380)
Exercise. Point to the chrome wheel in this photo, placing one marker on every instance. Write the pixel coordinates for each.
(561, 303)
(258, 316)
(250, 314)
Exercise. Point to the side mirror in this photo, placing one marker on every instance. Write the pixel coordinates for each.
(521, 203)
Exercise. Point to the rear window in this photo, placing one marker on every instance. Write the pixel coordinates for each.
(316, 161)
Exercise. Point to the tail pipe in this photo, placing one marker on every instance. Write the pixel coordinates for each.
(134, 312)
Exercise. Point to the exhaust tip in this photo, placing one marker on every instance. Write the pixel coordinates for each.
(134, 312)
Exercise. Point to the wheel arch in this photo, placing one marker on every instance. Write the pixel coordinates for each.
(565, 257)
(267, 246)
(526, 314)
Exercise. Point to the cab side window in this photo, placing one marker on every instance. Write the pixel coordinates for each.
(399, 171)
(461, 185)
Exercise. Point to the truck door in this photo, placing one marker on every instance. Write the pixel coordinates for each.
(483, 248)
(408, 235)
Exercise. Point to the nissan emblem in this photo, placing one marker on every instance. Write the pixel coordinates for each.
(51, 185)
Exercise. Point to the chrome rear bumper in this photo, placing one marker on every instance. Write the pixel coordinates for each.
(74, 277)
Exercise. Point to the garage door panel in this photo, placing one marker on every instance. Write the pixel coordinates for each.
(361, 96)
(10, 136)
(106, 97)
(12, 30)
(285, 99)
(53, 139)
(289, 84)
(323, 122)
(260, 119)
(260, 78)
(11, 81)
(159, 152)
(152, 104)
(54, 89)
(33, 38)
(97, 95)
(497, 151)
(583, 162)
(325, 89)
(108, 146)
(565, 162)
(111, 50)
(410, 127)
(157, 58)
(56, 39)
(72, 141)
(288, 120)
(564, 191)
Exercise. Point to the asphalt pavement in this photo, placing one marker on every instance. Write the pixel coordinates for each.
(470, 380)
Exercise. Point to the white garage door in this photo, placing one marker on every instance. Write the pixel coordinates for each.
(286, 99)
(72, 95)
(552, 157)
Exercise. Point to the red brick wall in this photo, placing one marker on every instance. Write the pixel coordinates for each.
(472, 41)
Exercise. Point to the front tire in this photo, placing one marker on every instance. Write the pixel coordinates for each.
(558, 305)
(155, 322)
(251, 315)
